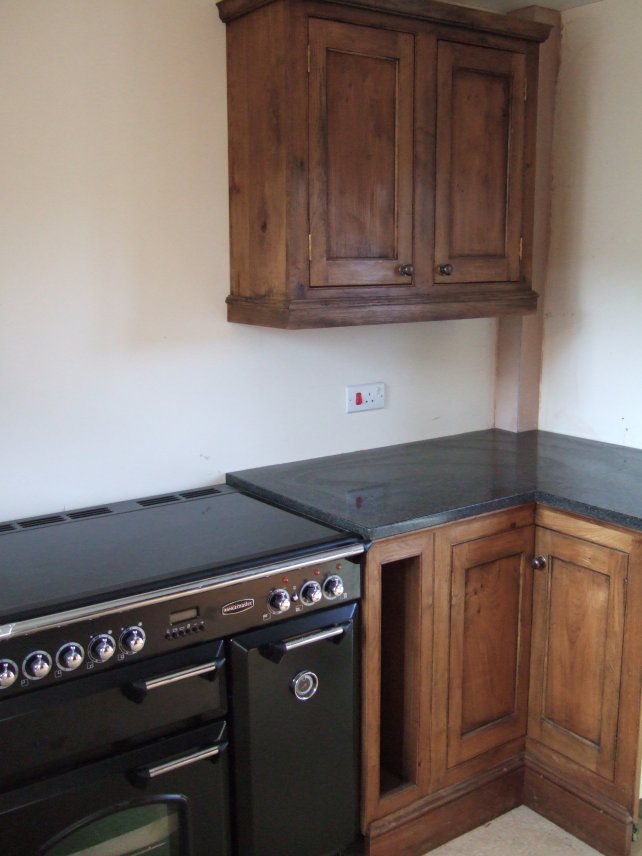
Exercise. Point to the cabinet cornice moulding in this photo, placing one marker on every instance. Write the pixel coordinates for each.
(427, 10)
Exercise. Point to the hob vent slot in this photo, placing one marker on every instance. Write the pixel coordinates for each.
(89, 512)
(158, 500)
(198, 492)
(41, 521)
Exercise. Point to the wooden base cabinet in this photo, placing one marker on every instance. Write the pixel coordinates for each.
(381, 159)
(448, 700)
(502, 665)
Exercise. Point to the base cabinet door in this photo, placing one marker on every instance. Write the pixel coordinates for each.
(578, 636)
(483, 587)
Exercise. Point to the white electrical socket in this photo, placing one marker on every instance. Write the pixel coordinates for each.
(367, 396)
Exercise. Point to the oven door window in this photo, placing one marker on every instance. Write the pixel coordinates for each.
(156, 828)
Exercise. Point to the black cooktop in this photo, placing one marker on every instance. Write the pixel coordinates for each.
(80, 558)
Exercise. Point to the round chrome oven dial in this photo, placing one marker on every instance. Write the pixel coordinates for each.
(70, 656)
(333, 587)
(37, 665)
(279, 601)
(102, 648)
(311, 593)
(132, 640)
(8, 673)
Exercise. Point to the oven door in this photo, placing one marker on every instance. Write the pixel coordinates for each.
(295, 707)
(167, 799)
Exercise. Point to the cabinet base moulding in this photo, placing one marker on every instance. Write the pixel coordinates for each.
(593, 818)
(449, 813)
(307, 314)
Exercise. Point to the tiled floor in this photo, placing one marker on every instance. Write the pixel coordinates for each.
(521, 832)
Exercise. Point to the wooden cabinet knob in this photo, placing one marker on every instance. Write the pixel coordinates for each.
(445, 270)
(406, 270)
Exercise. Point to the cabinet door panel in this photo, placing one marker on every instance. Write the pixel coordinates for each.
(480, 141)
(482, 647)
(576, 668)
(361, 152)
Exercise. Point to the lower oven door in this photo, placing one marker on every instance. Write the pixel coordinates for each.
(295, 713)
(168, 799)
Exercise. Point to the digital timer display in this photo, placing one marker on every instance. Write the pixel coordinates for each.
(183, 615)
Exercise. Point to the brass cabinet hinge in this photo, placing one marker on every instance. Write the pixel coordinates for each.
(309, 247)
(521, 248)
(308, 59)
(525, 87)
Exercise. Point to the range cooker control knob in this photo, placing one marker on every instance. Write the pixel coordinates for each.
(37, 665)
(102, 648)
(132, 640)
(279, 600)
(70, 656)
(311, 593)
(333, 587)
(8, 673)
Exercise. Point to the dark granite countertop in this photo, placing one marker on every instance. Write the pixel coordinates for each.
(396, 489)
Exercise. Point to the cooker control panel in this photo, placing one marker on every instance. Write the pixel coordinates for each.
(214, 610)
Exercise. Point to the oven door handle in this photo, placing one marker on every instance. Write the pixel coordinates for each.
(146, 774)
(137, 691)
(276, 651)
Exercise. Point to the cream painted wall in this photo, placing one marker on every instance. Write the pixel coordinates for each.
(592, 360)
(119, 375)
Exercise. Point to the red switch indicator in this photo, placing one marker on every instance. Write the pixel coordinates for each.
(358, 398)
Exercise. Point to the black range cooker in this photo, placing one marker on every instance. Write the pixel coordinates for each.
(178, 676)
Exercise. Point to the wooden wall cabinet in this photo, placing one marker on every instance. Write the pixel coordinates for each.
(381, 161)
(488, 683)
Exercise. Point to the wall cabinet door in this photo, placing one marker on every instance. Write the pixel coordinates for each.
(483, 591)
(578, 634)
(480, 152)
(361, 152)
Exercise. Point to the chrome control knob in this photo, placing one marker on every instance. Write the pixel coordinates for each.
(8, 673)
(311, 593)
(70, 656)
(132, 640)
(37, 665)
(102, 648)
(333, 587)
(279, 600)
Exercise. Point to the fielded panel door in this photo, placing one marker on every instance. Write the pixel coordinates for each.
(483, 599)
(576, 664)
(361, 155)
(480, 151)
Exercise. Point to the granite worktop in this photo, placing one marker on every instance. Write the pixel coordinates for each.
(395, 489)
